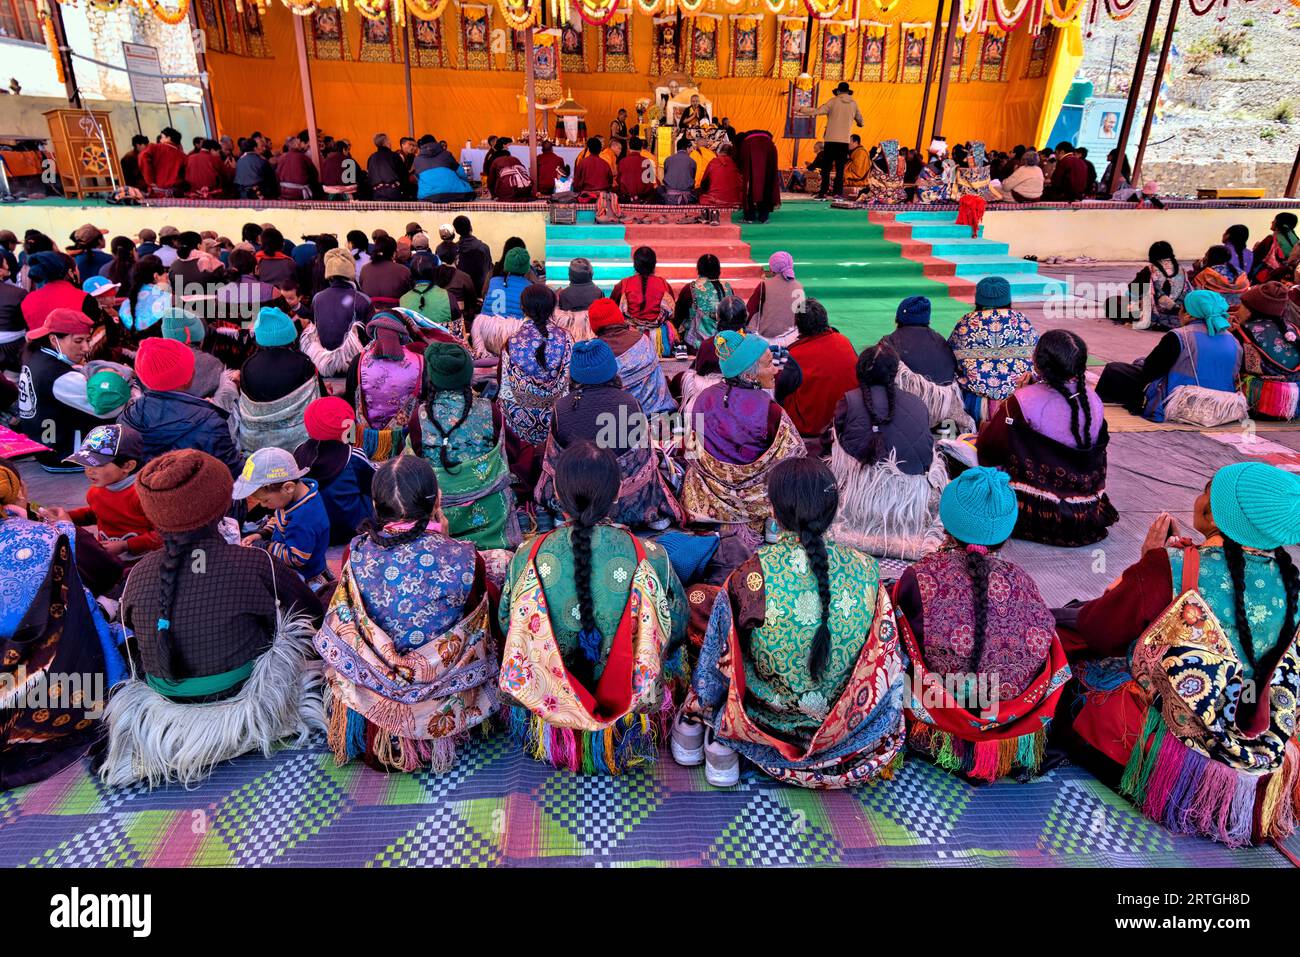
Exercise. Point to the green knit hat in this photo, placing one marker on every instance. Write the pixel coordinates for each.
(738, 352)
(182, 326)
(1256, 505)
(106, 391)
(516, 262)
(448, 366)
(978, 507)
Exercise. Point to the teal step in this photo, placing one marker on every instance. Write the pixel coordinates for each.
(1025, 284)
(990, 265)
(613, 271)
(941, 231)
(968, 247)
(592, 251)
(927, 216)
(610, 232)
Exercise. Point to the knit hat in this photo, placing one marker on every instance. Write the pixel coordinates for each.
(182, 326)
(580, 270)
(1268, 299)
(978, 507)
(593, 362)
(46, 267)
(516, 262)
(62, 322)
(184, 490)
(448, 366)
(1209, 306)
(604, 313)
(913, 311)
(993, 292)
(328, 418)
(164, 365)
(268, 466)
(738, 352)
(11, 485)
(106, 391)
(1256, 505)
(340, 264)
(781, 264)
(273, 328)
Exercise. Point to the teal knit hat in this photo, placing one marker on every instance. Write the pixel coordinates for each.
(738, 352)
(978, 507)
(1256, 505)
(516, 262)
(993, 292)
(273, 328)
(182, 326)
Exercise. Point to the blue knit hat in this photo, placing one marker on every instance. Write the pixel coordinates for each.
(182, 326)
(993, 292)
(913, 311)
(978, 507)
(738, 352)
(273, 328)
(1256, 505)
(593, 362)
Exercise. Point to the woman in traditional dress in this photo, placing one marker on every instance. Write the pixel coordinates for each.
(885, 176)
(738, 433)
(987, 668)
(1217, 273)
(647, 300)
(801, 670)
(598, 409)
(1189, 666)
(594, 621)
(276, 384)
(1267, 324)
(411, 663)
(1050, 436)
(383, 384)
(732, 316)
(430, 299)
(234, 627)
(51, 630)
(1275, 256)
(884, 464)
(577, 298)
(150, 299)
(775, 302)
(502, 314)
(1162, 285)
(1235, 238)
(927, 368)
(638, 365)
(993, 346)
(1191, 374)
(697, 304)
(460, 434)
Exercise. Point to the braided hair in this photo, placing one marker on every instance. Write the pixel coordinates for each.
(176, 546)
(422, 271)
(538, 305)
(706, 267)
(1236, 238)
(804, 501)
(1235, 557)
(644, 261)
(1061, 358)
(405, 489)
(878, 366)
(977, 571)
(586, 483)
(444, 447)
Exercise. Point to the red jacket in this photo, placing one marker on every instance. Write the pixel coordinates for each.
(592, 175)
(829, 365)
(116, 516)
(205, 174)
(634, 179)
(722, 184)
(162, 165)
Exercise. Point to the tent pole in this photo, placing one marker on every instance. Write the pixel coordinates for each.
(530, 88)
(1293, 184)
(1134, 91)
(406, 67)
(929, 74)
(308, 98)
(1155, 92)
(949, 41)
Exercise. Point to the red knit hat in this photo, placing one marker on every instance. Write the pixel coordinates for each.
(604, 312)
(328, 419)
(164, 365)
(184, 490)
(62, 322)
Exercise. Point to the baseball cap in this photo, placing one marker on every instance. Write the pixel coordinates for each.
(269, 466)
(104, 443)
(99, 286)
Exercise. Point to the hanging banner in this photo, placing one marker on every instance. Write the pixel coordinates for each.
(792, 40)
(664, 56)
(1040, 53)
(235, 42)
(616, 45)
(800, 96)
(518, 50)
(993, 56)
(254, 35)
(913, 42)
(703, 61)
(214, 29)
(427, 48)
(830, 56)
(573, 49)
(873, 38)
(475, 38)
(746, 39)
(957, 67)
(546, 65)
(380, 41)
(326, 39)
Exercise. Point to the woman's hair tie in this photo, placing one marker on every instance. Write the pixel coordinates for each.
(978, 549)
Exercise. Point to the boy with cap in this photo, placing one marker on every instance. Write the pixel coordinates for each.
(298, 531)
(341, 470)
(110, 455)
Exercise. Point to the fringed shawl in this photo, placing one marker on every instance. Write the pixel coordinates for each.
(278, 423)
(641, 374)
(722, 492)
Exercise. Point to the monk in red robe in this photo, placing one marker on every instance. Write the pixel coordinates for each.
(758, 166)
(722, 184)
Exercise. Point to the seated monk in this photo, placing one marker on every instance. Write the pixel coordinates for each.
(858, 169)
(1169, 659)
(721, 183)
(592, 175)
(636, 175)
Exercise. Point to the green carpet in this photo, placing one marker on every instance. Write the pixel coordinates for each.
(847, 264)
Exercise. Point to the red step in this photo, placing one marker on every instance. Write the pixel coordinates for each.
(897, 232)
(641, 235)
(935, 268)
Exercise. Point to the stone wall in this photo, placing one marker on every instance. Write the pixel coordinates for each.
(1183, 179)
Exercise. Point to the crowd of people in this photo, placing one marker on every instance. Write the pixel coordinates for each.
(550, 532)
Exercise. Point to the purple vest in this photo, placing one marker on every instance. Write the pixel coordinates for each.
(387, 384)
(736, 432)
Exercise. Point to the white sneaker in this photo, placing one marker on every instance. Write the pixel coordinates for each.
(721, 764)
(688, 742)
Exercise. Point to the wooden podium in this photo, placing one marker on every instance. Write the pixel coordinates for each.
(84, 152)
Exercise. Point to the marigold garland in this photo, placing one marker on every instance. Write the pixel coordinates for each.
(166, 16)
(823, 9)
(426, 11)
(596, 12)
(518, 14)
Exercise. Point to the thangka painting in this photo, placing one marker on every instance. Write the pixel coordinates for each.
(872, 66)
(993, 56)
(518, 49)
(664, 58)
(911, 52)
(745, 41)
(1040, 53)
(235, 42)
(546, 65)
(704, 46)
(427, 48)
(790, 45)
(214, 30)
(615, 43)
(957, 68)
(326, 38)
(380, 40)
(475, 38)
(573, 49)
(254, 34)
(834, 38)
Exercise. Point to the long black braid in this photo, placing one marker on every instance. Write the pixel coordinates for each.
(176, 548)
(538, 305)
(1235, 557)
(878, 366)
(1061, 358)
(467, 396)
(644, 261)
(819, 561)
(405, 489)
(977, 570)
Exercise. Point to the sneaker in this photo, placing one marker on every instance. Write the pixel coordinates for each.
(721, 764)
(688, 742)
